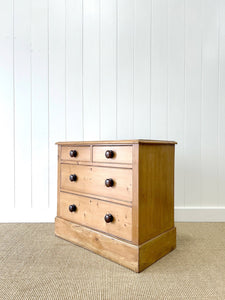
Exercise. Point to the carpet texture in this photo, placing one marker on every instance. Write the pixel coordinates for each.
(34, 264)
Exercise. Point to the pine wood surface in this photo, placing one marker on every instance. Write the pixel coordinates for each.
(83, 153)
(156, 190)
(91, 213)
(122, 154)
(116, 142)
(114, 249)
(154, 249)
(136, 258)
(141, 199)
(92, 180)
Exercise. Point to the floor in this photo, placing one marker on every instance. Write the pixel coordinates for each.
(34, 264)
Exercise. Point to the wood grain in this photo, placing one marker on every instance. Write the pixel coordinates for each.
(98, 164)
(147, 189)
(156, 248)
(156, 190)
(136, 258)
(100, 197)
(122, 154)
(92, 180)
(91, 213)
(116, 142)
(114, 249)
(83, 153)
(58, 179)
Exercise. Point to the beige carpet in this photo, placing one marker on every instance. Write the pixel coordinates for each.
(34, 264)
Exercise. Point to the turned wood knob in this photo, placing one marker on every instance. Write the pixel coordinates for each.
(108, 218)
(73, 177)
(109, 182)
(72, 208)
(109, 154)
(73, 153)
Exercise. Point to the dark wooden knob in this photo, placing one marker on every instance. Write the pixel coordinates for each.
(109, 182)
(73, 177)
(109, 154)
(108, 218)
(73, 153)
(72, 208)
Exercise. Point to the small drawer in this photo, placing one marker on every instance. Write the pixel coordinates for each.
(94, 213)
(107, 182)
(112, 154)
(76, 153)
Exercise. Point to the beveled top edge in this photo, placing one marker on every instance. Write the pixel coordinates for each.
(116, 142)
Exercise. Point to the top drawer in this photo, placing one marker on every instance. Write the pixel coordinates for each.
(76, 153)
(112, 154)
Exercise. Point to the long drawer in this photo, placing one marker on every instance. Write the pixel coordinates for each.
(91, 212)
(92, 180)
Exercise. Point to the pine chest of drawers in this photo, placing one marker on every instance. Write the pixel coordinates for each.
(116, 198)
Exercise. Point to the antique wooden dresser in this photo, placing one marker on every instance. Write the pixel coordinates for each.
(116, 198)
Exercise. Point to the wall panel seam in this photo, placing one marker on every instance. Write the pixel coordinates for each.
(133, 70)
(150, 69)
(14, 125)
(31, 106)
(201, 103)
(218, 106)
(117, 28)
(66, 94)
(82, 67)
(167, 71)
(48, 35)
(185, 97)
(100, 67)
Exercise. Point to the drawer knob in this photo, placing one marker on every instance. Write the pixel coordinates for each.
(108, 218)
(72, 208)
(73, 177)
(109, 154)
(73, 153)
(109, 182)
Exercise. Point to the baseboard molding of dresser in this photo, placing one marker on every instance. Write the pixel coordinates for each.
(136, 258)
(154, 249)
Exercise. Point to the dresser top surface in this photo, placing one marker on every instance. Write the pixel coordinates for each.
(116, 142)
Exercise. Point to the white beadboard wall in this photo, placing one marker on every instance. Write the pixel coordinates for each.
(115, 69)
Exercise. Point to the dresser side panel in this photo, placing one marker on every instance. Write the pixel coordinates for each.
(156, 248)
(156, 190)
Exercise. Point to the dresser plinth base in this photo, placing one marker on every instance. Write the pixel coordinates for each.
(136, 258)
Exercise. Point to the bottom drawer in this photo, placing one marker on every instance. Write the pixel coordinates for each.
(91, 212)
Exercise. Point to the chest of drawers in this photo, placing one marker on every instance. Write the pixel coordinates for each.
(116, 198)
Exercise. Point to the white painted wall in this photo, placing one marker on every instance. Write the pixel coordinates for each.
(115, 69)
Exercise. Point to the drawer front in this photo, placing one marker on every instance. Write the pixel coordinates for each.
(78, 154)
(91, 213)
(91, 180)
(112, 154)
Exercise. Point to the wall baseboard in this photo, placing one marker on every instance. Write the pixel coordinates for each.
(31, 215)
(199, 214)
(182, 214)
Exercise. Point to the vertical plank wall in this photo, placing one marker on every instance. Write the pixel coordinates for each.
(116, 69)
